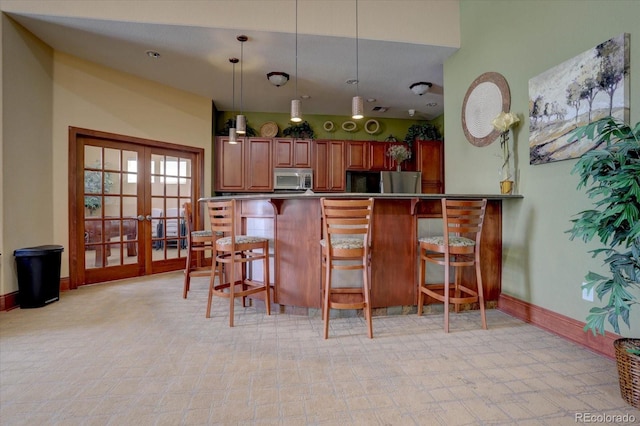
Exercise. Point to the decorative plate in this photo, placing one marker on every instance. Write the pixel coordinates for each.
(487, 97)
(372, 126)
(349, 126)
(269, 129)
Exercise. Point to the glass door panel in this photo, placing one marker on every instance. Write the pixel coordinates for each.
(127, 200)
(111, 225)
(171, 186)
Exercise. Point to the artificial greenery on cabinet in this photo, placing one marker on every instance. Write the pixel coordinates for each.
(301, 131)
(422, 132)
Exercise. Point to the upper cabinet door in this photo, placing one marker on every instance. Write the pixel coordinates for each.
(295, 153)
(302, 153)
(229, 165)
(283, 152)
(243, 167)
(258, 163)
(357, 155)
(329, 172)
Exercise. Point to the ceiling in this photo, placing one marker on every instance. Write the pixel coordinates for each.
(196, 59)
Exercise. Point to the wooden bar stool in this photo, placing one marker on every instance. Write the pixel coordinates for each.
(458, 247)
(197, 242)
(232, 250)
(346, 245)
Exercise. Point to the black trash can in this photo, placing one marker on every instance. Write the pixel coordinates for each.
(38, 275)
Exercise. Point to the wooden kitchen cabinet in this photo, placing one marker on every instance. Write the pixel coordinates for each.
(356, 155)
(229, 163)
(244, 167)
(430, 161)
(258, 165)
(288, 152)
(329, 171)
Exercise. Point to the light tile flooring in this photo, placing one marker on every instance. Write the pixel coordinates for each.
(134, 352)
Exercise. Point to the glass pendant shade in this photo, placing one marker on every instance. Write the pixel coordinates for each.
(241, 124)
(357, 108)
(295, 111)
(233, 138)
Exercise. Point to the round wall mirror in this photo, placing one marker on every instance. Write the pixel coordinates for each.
(487, 97)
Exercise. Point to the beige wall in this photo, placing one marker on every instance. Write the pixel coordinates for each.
(93, 97)
(521, 39)
(26, 201)
(47, 92)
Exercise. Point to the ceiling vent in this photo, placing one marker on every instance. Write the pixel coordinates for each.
(380, 109)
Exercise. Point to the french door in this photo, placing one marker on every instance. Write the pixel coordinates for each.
(126, 198)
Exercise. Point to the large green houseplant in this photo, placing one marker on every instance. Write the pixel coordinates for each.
(611, 173)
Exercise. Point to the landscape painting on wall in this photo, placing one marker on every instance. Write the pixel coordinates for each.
(583, 89)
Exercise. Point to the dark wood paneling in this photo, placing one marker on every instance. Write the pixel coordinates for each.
(394, 252)
(558, 324)
(298, 234)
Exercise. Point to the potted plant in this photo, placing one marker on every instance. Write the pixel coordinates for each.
(421, 132)
(503, 123)
(611, 172)
(399, 153)
(301, 130)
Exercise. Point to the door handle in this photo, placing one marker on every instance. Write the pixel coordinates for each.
(149, 217)
(140, 218)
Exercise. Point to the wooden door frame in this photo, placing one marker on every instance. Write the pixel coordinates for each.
(76, 208)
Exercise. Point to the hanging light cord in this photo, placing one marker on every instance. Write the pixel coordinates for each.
(233, 90)
(357, 55)
(241, 85)
(296, 97)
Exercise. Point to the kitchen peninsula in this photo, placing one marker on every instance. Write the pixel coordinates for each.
(293, 221)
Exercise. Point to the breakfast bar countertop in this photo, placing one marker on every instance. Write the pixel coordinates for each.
(284, 195)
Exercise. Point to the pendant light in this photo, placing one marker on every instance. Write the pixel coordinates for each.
(296, 116)
(241, 121)
(357, 103)
(233, 138)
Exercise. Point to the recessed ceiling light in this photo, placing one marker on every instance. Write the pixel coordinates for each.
(432, 104)
(371, 100)
(153, 54)
(380, 109)
(305, 96)
(352, 81)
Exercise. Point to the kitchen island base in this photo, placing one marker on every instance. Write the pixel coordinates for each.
(294, 224)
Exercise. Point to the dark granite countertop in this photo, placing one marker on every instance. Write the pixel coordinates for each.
(302, 195)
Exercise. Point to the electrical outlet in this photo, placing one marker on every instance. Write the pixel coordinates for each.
(587, 294)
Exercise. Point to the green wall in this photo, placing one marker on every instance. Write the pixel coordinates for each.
(388, 126)
(521, 39)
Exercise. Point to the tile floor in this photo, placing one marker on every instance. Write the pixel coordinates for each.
(133, 352)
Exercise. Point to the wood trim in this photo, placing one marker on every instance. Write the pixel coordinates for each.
(77, 272)
(561, 325)
(9, 301)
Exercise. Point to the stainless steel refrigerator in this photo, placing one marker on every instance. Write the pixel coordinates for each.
(400, 182)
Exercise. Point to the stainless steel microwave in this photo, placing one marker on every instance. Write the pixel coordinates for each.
(292, 179)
